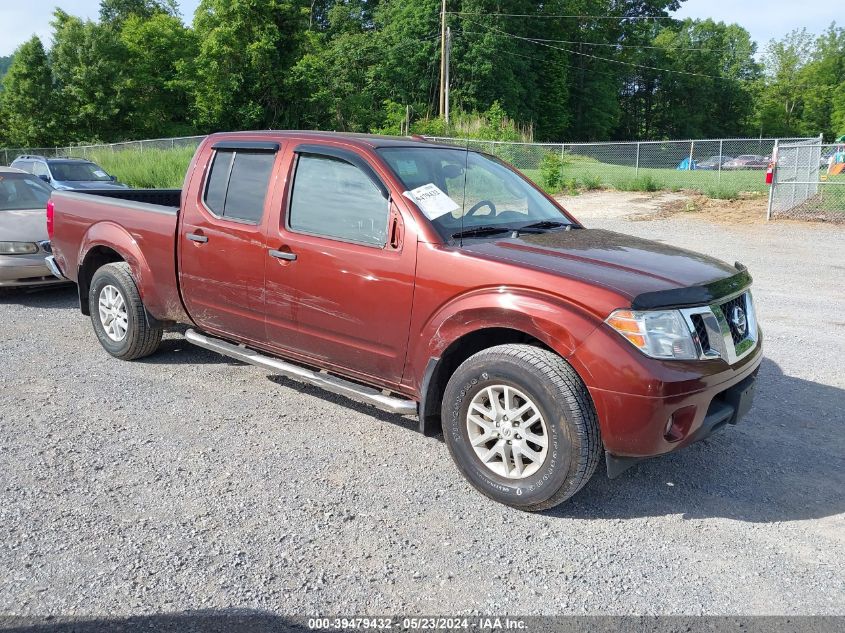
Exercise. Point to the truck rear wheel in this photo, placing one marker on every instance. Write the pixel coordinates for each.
(521, 426)
(118, 314)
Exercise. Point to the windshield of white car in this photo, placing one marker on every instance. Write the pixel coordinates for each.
(22, 191)
(460, 191)
(78, 172)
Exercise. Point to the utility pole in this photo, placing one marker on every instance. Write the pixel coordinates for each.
(443, 58)
(448, 59)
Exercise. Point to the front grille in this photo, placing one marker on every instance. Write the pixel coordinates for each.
(738, 334)
(700, 331)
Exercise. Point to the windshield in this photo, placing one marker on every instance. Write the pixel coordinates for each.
(22, 191)
(78, 172)
(460, 191)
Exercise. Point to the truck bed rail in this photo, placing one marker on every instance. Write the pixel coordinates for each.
(160, 197)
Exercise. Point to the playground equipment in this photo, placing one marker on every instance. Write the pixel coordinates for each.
(836, 163)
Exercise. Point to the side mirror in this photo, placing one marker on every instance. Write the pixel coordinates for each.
(44, 177)
(113, 178)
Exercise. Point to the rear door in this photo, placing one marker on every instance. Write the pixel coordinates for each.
(221, 240)
(340, 276)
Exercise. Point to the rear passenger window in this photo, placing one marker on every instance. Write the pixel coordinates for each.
(237, 184)
(335, 199)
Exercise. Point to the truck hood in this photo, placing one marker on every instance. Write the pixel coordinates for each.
(23, 226)
(629, 265)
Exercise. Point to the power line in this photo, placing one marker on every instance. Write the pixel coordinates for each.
(556, 62)
(574, 17)
(611, 45)
(607, 59)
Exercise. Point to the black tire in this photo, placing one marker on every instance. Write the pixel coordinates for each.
(141, 339)
(574, 442)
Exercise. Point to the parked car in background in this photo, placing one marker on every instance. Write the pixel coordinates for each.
(714, 161)
(428, 279)
(824, 159)
(23, 230)
(747, 161)
(68, 173)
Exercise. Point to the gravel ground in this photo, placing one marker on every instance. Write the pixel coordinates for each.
(187, 481)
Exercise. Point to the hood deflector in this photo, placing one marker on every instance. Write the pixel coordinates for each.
(694, 295)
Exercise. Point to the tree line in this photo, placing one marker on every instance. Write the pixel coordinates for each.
(618, 70)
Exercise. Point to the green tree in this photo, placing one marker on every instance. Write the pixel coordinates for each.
(26, 102)
(824, 76)
(837, 116)
(246, 50)
(5, 62)
(116, 12)
(157, 75)
(334, 77)
(781, 99)
(705, 91)
(89, 62)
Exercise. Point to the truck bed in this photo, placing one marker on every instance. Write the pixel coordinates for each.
(140, 223)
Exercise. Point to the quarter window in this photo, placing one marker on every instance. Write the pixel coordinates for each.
(335, 199)
(237, 184)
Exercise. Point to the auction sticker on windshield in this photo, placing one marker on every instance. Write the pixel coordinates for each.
(432, 201)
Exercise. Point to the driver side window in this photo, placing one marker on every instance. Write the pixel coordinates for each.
(335, 199)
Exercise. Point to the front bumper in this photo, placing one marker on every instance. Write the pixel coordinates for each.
(18, 271)
(726, 407)
(648, 407)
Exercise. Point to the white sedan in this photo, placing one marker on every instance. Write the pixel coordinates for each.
(23, 230)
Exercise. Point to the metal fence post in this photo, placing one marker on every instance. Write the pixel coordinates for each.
(691, 149)
(637, 164)
(719, 177)
(774, 181)
(562, 158)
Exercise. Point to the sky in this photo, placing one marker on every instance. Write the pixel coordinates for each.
(764, 19)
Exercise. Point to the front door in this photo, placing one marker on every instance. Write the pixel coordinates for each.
(340, 279)
(221, 242)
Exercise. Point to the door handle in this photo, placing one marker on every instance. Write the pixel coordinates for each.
(196, 237)
(286, 255)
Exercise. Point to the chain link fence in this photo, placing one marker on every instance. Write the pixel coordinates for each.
(716, 167)
(808, 182)
(7, 155)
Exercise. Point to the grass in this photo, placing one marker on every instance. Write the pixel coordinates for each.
(595, 175)
(148, 169)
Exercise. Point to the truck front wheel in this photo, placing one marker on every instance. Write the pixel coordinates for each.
(521, 426)
(118, 314)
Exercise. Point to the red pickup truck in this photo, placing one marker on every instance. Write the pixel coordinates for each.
(424, 279)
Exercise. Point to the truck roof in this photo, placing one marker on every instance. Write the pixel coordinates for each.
(373, 141)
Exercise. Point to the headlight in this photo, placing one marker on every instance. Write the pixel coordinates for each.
(18, 248)
(656, 333)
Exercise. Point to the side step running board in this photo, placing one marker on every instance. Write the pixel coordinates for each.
(319, 379)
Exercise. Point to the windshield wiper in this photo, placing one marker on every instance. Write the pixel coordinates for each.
(478, 231)
(544, 224)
